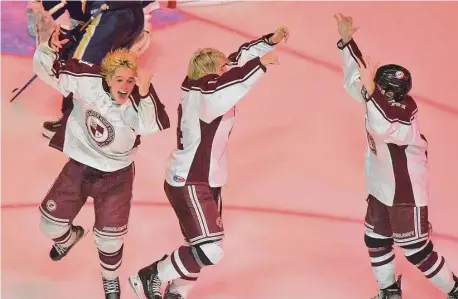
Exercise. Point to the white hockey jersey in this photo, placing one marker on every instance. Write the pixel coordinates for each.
(98, 132)
(206, 115)
(396, 164)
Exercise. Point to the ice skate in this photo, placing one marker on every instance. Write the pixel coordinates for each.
(393, 292)
(58, 251)
(453, 293)
(146, 284)
(112, 288)
(50, 127)
(168, 294)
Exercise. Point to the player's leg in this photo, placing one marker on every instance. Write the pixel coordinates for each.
(60, 206)
(179, 288)
(411, 232)
(379, 241)
(112, 202)
(199, 217)
(198, 212)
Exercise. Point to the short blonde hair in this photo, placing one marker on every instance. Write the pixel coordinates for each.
(204, 62)
(118, 58)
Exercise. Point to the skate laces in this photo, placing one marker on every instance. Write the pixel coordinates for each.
(111, 286)
(173, 296)
(154, 284)
(61, 250)
(453, 294)
(387, 294)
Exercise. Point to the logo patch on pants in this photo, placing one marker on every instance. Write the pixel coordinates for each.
(51, 205)
(219, 222)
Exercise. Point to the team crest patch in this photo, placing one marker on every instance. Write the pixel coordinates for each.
(399, 74)
(51, 205)
(100, 130)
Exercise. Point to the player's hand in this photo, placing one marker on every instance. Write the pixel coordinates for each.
(367, 73)
(55, 43)
(345, 27)
(144, 76)
(269, 58)
(281, 33)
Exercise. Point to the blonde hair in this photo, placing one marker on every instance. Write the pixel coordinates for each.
(116, 59)
(204, 62)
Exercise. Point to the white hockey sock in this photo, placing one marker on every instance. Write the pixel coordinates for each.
(166, 270)
(439, 273)
(70, 240)
(383, 266)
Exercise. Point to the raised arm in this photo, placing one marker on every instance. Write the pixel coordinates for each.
(150, 115)
(48, 69)
(350, 53)
(220, 93)
(352, 83)
(73, 76)
(258, 47)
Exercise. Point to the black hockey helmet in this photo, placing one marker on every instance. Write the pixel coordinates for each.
(394, 80)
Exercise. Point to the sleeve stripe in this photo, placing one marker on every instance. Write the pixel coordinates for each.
(245, 47)
(159, 124)
(220, 87)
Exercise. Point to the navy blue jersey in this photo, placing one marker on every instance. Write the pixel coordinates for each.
(76, 9)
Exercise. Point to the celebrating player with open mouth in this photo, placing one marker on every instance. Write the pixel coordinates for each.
(197, 169)
(101, 137)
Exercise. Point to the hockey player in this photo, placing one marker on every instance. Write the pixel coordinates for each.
(197, 168)
(100, 138)
(397, 175)
(118, 25)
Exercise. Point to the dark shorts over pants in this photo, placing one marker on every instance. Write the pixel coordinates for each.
(111, 191)
(405, 224)
(198, 208)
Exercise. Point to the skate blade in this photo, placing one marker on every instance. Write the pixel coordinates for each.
(48, 134)
(86, 231)
(137, 286)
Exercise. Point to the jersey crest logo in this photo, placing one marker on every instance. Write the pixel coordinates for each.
(100, 130)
